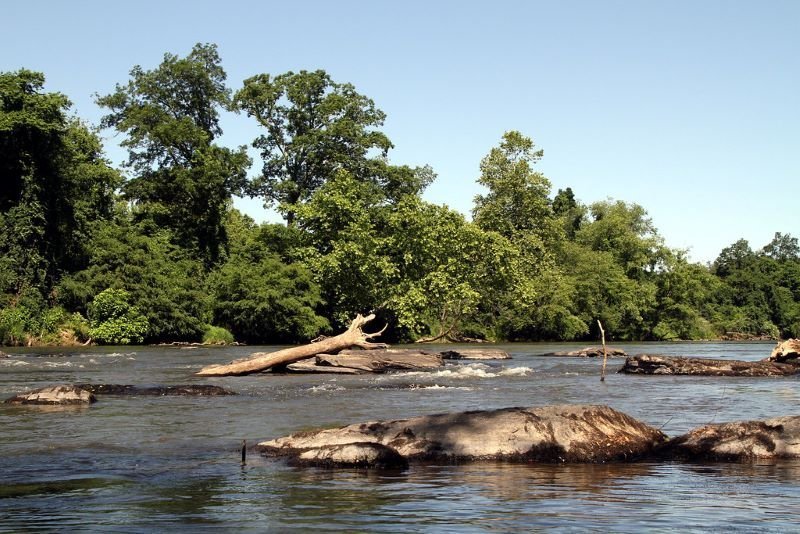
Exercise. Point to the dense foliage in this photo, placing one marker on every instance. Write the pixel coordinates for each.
(88, 254)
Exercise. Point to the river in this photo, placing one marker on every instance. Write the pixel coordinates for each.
(137, 464)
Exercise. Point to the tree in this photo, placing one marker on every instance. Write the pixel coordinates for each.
(114, 320)
(182, 180)
(162, 280)
(517, 203)
(316, 127)
(782, 247)
(56, 182)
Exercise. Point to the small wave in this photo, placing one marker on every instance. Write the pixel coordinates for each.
(57, 364)
(436, 387)
(516, 371)
(326, 387)
(13, 363)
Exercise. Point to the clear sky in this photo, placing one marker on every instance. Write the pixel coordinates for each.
(689, 108)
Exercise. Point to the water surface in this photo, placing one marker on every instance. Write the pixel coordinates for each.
(173, 463)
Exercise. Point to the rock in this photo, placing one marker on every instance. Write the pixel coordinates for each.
(3, 354)
(62, 395)
(580, 434)
(738, 441)
(475, 354)
(650, 364)
(591, 352)
(190, 390)
(787, 351)
(358, 455)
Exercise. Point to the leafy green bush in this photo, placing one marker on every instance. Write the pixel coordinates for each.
(216, 335)
(114, 320)
(15, 325)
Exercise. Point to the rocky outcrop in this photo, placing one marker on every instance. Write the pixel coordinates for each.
(354, 455)
(475, 354)
(739, 441)
(787, 351)
(189, 390)
(61, 395)
(650, 364)
(552, 434)
(591, 352)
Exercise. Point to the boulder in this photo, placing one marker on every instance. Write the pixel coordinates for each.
(475, 354)
(787, 351)
(190, 390)
(62, 395)
(552, 434)
(353, 455)
(739, 441)
(651, 364)
(591, 352)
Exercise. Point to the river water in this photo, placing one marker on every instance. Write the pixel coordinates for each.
(138, 464)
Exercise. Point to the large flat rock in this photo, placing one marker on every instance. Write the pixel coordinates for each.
(370, 361)
(580, 434)
(650, 364)
(739, 441)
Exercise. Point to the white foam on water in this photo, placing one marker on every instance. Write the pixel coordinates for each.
(472, 370)
(326, 387)
(13, 363)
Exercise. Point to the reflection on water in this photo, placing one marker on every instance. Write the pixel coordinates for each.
(163, 463)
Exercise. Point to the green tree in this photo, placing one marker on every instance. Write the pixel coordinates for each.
(182, 180)
(257, 296)
(316, 127)
(56, 182)
(517, 204)
(163, 281)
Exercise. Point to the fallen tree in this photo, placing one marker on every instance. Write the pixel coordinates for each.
(354, 336)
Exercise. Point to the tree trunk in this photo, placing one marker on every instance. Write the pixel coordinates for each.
(260, 361)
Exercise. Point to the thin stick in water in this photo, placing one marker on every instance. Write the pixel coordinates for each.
(605, 354)
(244, 451)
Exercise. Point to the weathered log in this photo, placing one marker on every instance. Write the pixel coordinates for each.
(382, 360)
(64, 395)
(650, 364)
(787, 351)
(188, 390)
(739, 441)
(475, 354)
(261, 361)
(580, 434)
(310, 365)
(590, 352)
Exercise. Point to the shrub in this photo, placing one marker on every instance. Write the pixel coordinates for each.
(216, 335)
(114, 321)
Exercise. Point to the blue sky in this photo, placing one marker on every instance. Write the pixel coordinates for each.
(689, 108)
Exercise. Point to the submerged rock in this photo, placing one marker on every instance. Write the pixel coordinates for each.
(551, 434)
(190, 390)
(61, 395)
(650, 364)
(787, 351)
(738, 441)
(591, 352)
(359, 455)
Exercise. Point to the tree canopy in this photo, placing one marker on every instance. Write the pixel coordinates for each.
(156, 252)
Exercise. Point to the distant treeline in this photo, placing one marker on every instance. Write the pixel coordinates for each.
(156, 252)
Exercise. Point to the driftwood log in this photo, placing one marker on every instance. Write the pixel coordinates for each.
(650, 364)
(261, 361)
(786, 351)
